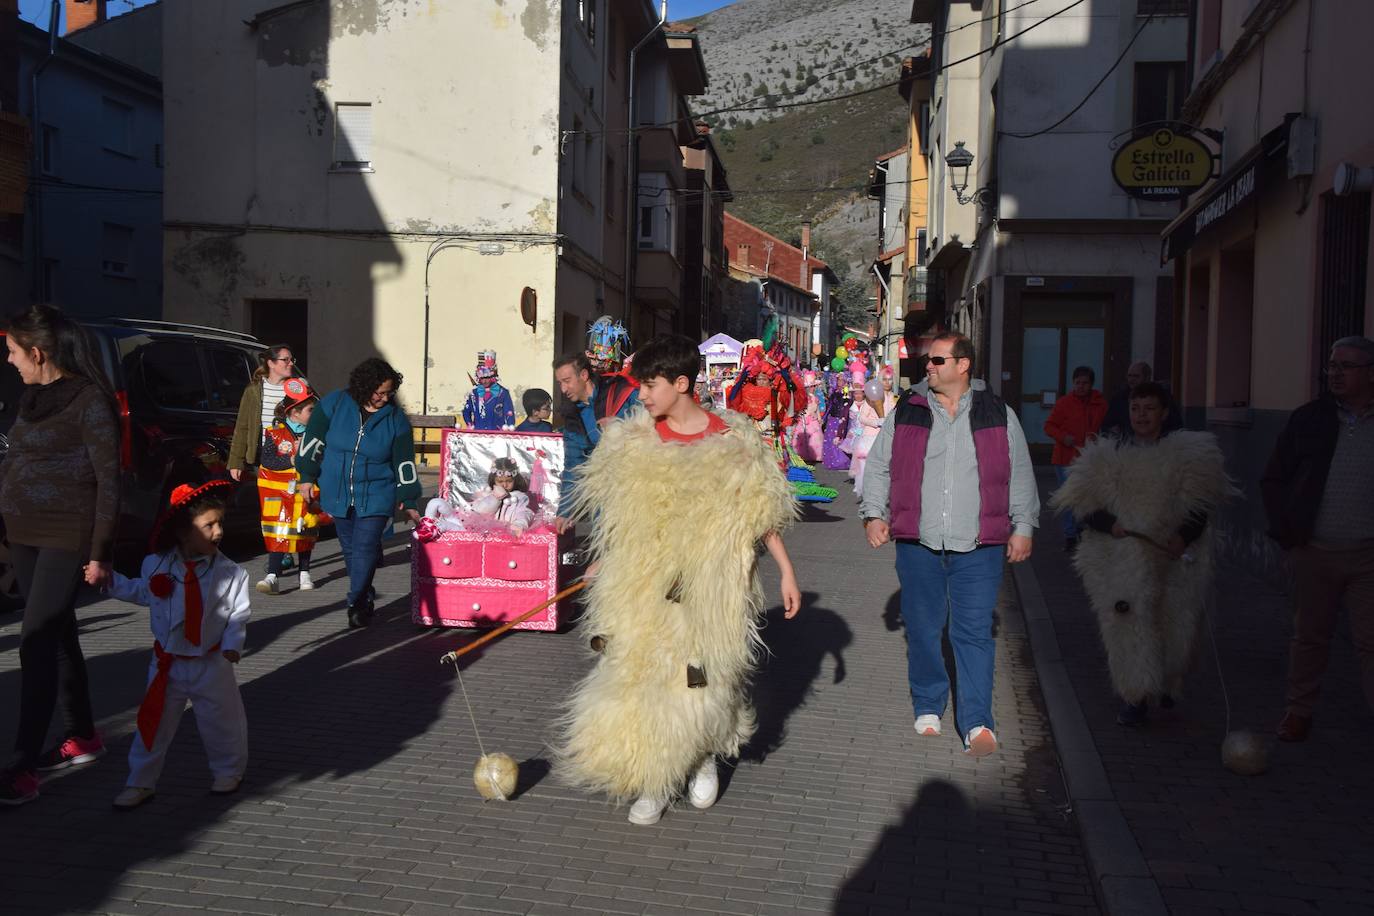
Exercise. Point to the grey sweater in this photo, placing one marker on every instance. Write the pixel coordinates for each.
(59, 482)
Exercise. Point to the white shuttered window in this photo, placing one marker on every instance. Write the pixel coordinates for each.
(352, 135)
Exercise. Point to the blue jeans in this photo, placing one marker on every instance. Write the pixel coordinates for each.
(1071, 529)
(958, 589)
(360, 540)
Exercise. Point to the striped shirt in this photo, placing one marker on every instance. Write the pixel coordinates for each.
(1346, 513)
(271, 396)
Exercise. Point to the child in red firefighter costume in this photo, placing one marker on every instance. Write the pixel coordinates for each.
(199, 609)
(290, 524)
(769, 390)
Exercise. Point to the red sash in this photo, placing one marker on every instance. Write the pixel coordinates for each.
(150, 710)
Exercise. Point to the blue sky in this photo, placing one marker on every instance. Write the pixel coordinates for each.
(36, 11)
(686, 9)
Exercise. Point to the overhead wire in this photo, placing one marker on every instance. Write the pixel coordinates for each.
(843, 96)
(895, 51)
(1091, 92)
(658, 191)
(942, 67)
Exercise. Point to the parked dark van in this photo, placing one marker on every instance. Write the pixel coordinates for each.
(178, 388)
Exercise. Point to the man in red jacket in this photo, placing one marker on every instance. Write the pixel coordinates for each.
(1073, 423)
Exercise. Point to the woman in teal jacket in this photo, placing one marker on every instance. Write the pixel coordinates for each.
(358, 449)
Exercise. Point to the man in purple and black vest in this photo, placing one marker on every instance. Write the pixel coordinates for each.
(950, 480)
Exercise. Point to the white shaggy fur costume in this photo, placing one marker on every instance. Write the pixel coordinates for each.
(1152, 490)
(670, 520)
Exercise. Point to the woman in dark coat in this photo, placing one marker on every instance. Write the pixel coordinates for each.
(59, 495)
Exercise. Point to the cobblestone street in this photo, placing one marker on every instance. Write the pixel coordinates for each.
(359, 795)
(1293, 840)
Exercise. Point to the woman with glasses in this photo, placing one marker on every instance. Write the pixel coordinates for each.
(258, 411)
(257, 407)
(359, 451)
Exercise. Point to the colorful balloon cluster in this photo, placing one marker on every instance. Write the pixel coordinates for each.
(851, 356)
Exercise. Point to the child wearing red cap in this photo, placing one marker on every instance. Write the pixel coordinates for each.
(290, 522)
(199, 606)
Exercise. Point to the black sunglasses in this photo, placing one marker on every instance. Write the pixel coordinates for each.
(941, 360)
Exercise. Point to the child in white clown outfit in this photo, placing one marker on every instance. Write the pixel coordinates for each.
(199, 614)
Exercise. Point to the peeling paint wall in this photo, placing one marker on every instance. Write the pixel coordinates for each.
(367, 298)
(464, 98)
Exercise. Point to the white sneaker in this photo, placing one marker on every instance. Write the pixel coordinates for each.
(647, 811)
(705, 785)
(307, 583)
(980, 742)
(268, 586)
(928, 725)
(225, 785)
(132, 797)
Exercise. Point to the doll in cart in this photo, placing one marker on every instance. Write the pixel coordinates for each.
(503, 505)
(487, 549)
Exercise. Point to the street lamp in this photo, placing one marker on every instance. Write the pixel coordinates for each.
(958, 162)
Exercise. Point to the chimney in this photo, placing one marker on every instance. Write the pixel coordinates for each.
(806, 235)
(744, 255)
(806, 255)
(83, 13)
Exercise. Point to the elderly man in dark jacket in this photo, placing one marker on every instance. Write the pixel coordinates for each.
(1319, 497)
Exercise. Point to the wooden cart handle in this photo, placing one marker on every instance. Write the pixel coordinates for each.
(458, 653)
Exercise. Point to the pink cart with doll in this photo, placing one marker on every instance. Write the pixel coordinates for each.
(487, 550)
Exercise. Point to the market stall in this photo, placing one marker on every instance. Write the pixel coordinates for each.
(722, 354)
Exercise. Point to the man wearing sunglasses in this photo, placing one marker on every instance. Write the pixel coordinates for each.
(1319, 497)
(949, 478)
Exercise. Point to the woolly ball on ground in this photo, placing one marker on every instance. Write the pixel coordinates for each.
(1245, 753)
(495, 776)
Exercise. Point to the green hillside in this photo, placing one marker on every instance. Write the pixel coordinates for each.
(806, 163)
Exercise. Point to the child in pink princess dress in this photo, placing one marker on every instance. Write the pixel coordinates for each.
(877, 401)
(809, 441)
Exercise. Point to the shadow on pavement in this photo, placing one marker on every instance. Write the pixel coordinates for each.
(814, 512)
(919, 857)
(337, 699)
(797, 649)
(954, 854)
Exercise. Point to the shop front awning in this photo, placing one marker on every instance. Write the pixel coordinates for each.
(1261, 168)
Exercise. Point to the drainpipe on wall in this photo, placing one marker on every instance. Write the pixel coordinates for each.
(435, 247)
(887, 312)
(632, 167)
(36, 160)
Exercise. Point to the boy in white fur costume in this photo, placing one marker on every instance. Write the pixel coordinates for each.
(678, 499)
(1146, 558)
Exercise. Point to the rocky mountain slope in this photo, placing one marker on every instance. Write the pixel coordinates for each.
(799, 50)
(789, 165)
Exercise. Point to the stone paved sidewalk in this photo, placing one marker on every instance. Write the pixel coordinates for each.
(1298, 839)
(359, 796)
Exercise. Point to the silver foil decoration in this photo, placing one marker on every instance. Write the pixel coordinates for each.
(468, 456)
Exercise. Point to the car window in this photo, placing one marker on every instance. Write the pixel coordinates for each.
(171, 376)
(11, 386)
(230, 372)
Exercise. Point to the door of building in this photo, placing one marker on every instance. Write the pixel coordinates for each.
(282, 321)
(1059, 334)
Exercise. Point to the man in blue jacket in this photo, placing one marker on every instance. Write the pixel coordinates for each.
(359, 450)
(590, 401)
